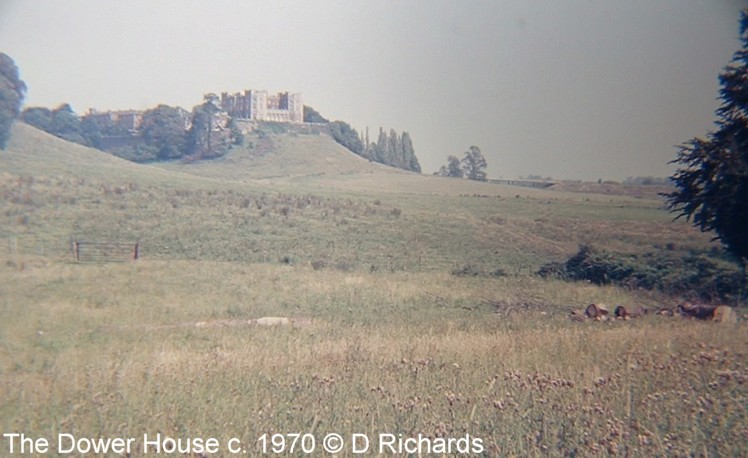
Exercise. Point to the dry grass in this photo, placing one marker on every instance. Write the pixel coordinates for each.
(396, 343)
(90, 350)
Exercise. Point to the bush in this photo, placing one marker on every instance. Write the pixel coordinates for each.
(603, 268)
(693, 275)
(553, 270)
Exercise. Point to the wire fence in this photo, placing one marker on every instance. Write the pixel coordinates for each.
(24, 249)
(84, 251)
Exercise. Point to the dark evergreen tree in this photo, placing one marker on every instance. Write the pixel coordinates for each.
(711, 185)
(380, 148)
(409, 154)
(392, 156)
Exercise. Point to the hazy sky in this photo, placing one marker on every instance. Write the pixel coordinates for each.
(569, 89)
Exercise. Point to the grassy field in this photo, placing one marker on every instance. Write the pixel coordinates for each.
(390, 342)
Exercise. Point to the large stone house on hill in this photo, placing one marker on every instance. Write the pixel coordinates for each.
(258, 105)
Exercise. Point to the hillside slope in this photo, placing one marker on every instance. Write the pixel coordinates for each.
(34, 152)
(317, 163)
(282, 156)
(285, 162)
(304, 199)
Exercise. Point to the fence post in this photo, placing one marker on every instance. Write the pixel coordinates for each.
(136, 252)
(76, 251)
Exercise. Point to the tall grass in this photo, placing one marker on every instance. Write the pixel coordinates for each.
(40, 216)
(396, 344)
(114, 350)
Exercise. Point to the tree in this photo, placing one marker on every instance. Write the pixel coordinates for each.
(39, 117)
(409, 154)
(91, 131)
(711, 185)
(379, 149)
(347, 136)
(236, 135)
(452, 169)
(474, 164)
(62, 122)
(311, 115)
(12, 92)
(394, 149)
(163, 128)
(204, 139)
(67, 125)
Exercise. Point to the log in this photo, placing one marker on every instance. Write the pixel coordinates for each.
(698, 311)
(597, 311)
(725, 314)
(621, 312)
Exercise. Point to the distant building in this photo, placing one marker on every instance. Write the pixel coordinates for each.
(127, 119)
(130, 120)
(259, 106)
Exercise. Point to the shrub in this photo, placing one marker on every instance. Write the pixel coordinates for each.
(695, 275)
(553, 270)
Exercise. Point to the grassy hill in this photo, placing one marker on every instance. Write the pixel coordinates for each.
(303, 199)
(32, 152)
(282, 156)
(394, 343)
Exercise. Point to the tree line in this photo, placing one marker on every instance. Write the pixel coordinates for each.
(163, 133)
(472, 166)
(393, 149)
